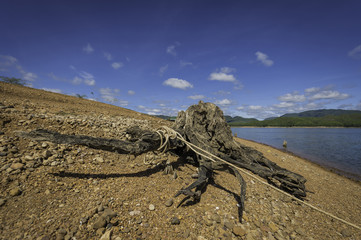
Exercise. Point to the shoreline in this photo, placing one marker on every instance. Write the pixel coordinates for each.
(288, 127)
(347, 175)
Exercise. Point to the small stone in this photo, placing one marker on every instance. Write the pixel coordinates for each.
(208, 222)
(194, 175)
(108, 213)
(169, 202)
(346, 233)
(47, 154)
(174, 221)
(238, 231)
(15, 192)
(107, 235)
(2, 202)
(16, 166)
(135, 212)
(47, 191)
(100, 223)
(44, 145)
(98, 159)
(151, 207)
(100, 231)
(28, 158)
(228, 224)
(61, 234)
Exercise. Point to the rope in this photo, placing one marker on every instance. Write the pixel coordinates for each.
(169, 133)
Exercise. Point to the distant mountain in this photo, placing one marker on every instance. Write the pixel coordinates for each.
(314, 118)
(238, 120)
(170, 118)
(321, 113)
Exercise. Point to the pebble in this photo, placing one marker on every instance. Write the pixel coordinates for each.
(135, 212)
(228, 224)
(346, 233)
(238, 231)
(108, 213)
(100, 223)
(169, 202)
(107, 235)
(99, 159)
(16, 166)
(174, 221)
(2, 202)
(151, 207)
(15, 192)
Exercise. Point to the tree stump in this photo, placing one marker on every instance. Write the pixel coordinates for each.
(204, 126)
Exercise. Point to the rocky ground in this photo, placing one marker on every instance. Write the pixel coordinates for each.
(51, 191)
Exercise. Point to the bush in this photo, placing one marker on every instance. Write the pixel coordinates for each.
(12, 80)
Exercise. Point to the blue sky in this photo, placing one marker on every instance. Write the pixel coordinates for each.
(251, 58)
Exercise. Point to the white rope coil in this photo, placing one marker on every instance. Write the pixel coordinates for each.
(169, 133)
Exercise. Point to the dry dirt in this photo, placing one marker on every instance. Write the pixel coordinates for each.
(53, 191)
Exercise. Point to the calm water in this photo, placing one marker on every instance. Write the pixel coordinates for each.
(336, 148)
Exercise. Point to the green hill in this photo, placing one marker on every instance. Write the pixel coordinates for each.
(316, 118)
(233, 121)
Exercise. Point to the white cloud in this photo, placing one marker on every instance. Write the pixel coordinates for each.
(123, 103)
(54, 90)
(356, 52)
(312, 90)
(108, 56)
(89, 82)
(109, 94)
(171, 50)
(28, 76)
(289, 97)
(238, 86)
(264, 59)
(329, 94)
(6, 60)
(223, 102)
(196, 97)
(88, 49)
(117, 65)
(163, 69)
(223, 75)
(131, 92)
(220, 76)
(255, 107)
(77, 80)
(177, 83)
(284, 105)
(86, 75)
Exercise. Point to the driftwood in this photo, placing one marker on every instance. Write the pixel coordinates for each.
(204, 126)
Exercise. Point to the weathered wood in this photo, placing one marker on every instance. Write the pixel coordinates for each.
(141, 141)
(204, 126)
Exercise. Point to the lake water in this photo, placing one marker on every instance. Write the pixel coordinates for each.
(335, 148)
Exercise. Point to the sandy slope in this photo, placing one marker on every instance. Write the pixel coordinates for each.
(64, 192)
